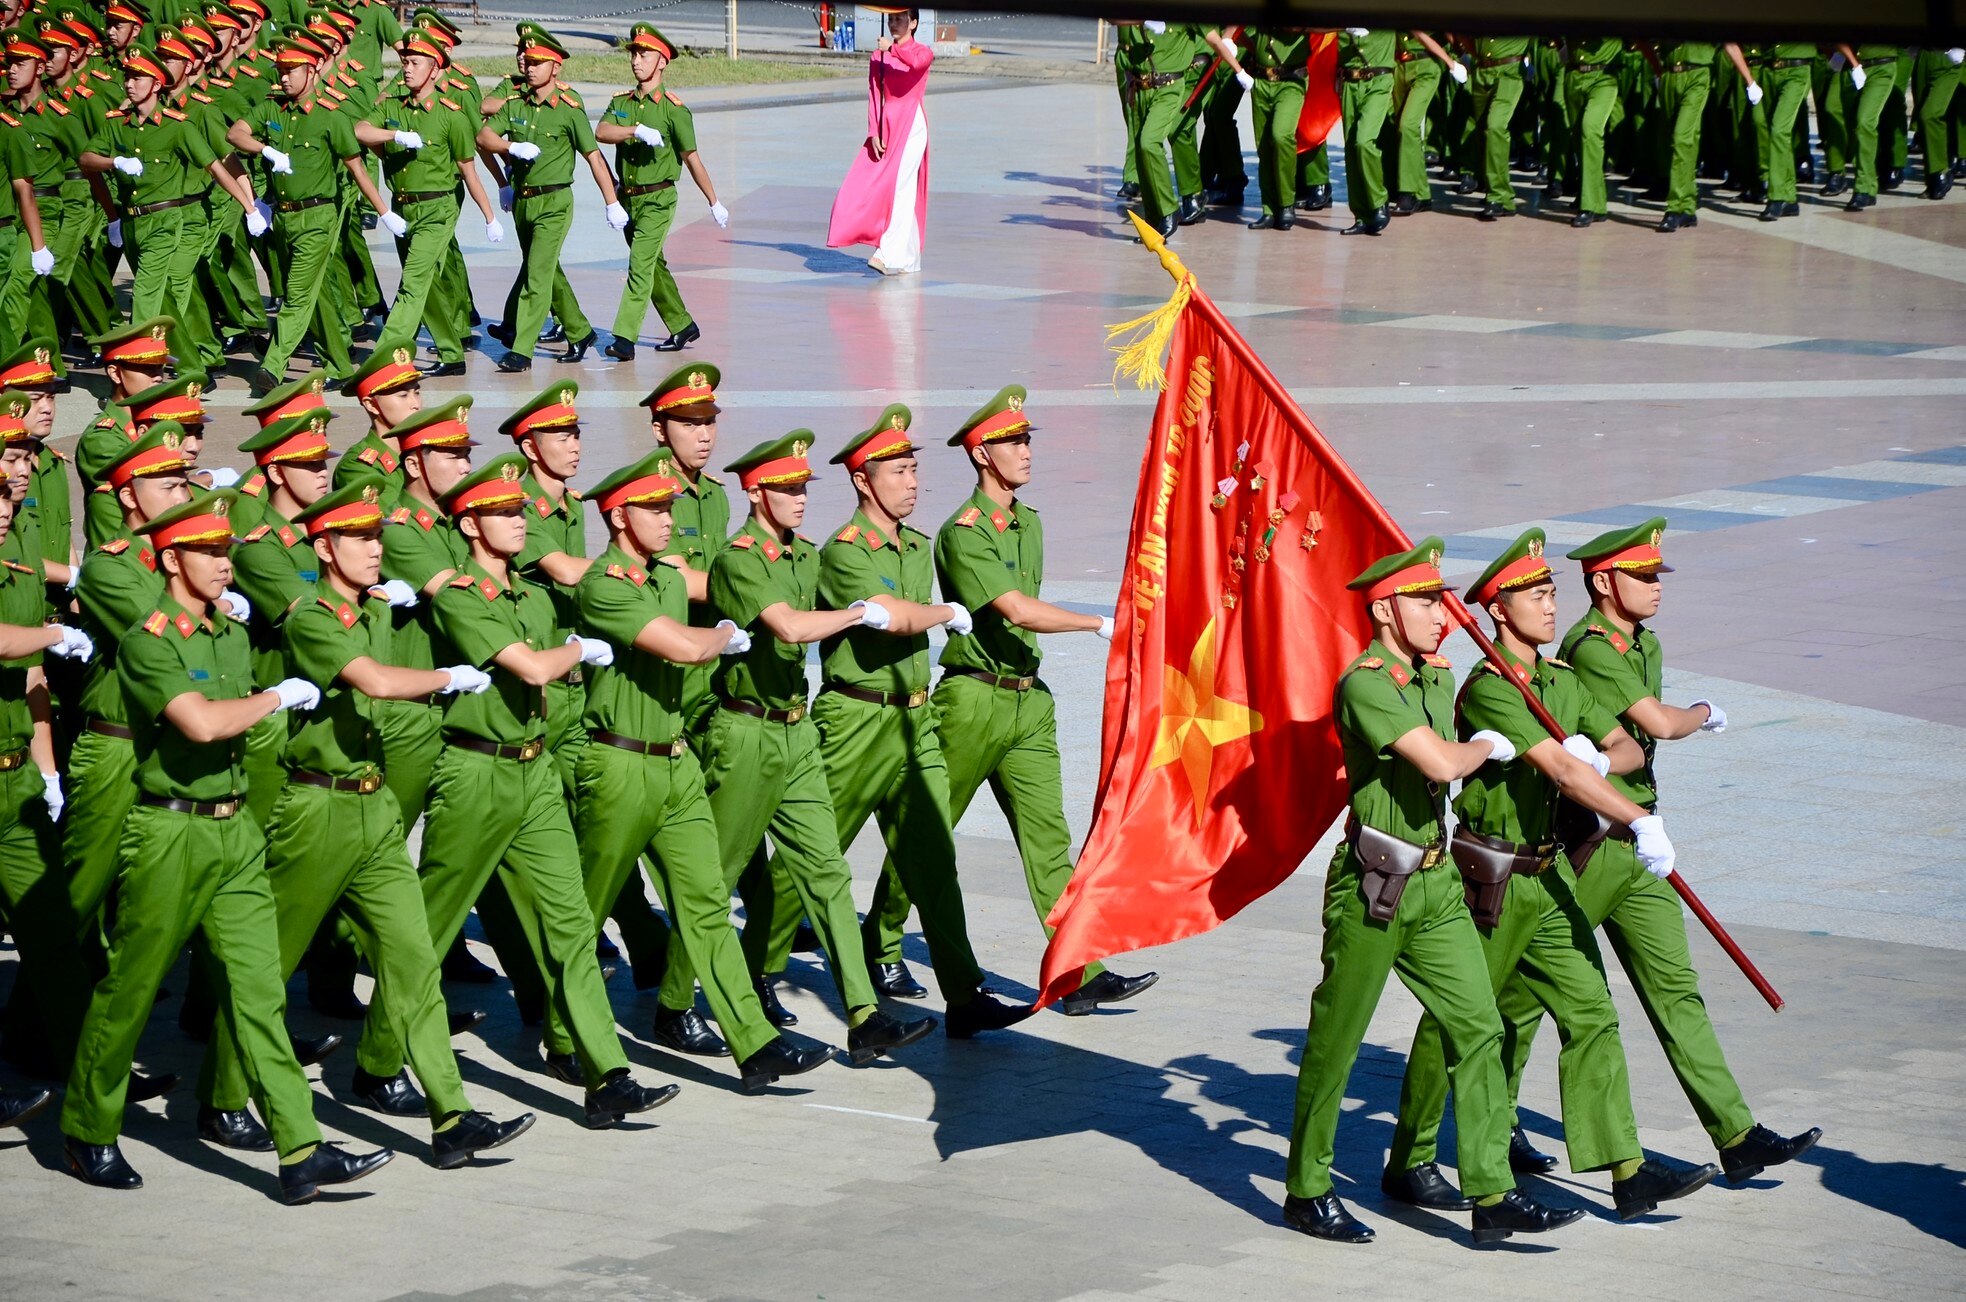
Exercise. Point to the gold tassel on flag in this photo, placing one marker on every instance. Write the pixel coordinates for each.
(1140, 354)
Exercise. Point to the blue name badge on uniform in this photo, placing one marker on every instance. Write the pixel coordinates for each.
(889, 582)
(689, 531)
(200, 675)
(312, 576)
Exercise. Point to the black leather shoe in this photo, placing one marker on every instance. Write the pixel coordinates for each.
(240, 1130)
(805, 940)
(337, 1000)
(1791, 210)
(1192, 211)
(1493, 212)
(1764, 1148)
(1655, 1182)
(1892, 179)
(262, 382)
(552, 333)
(1286, 220)
(775, 1013)
(1424, 1186)
(1859, 202)
(461, 965)
(443, 370)
(473, 1134)
(1756, 193)
(1674, 221)
(1523, 1157)
(778, 1058)
(619, 1095)
(1581, 220)
(1372, 226)
(1938, 187)
(895, 981)
(1404, 204)
(301, 1181)
(1106, 988)
(883, 1032)
(1835, 185)
(1127, 190)
(1773, 212)
(1315, 199)
(685, 1031)
(16, 1106)
(1518, 1213)
(682, 339)
(465, 1019)
(144, 1088)
(566, 1067)
(577, 350)
(393, 1096)
(622, 350)
(309, 1052)
(1264, 223)
(1165, 226)
(1325, 1217)
(501, 332)
(101, 1165)
(1465, 184)
(514, 363)
(984, 1012)
(1805, 171)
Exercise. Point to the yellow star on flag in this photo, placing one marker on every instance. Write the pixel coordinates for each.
(1194, 720)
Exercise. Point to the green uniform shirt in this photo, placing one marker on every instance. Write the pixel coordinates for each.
(553, 528)
(1133, 48)
(1380, 699)
(861, 562)
(277, 569)
(982, 553)
(1375, 49)
(23, 604)
(173, 149)
(315, 137)
(447, 132)
(1619, 672)
(701, 512)
(47, 499)
(758, 570)
(55, 139)
(418, 544)
(1694, 54)
(376, 30)
(119, 586)
(1514, 801)
(1285, 51)
(322, 637)
(1176, 49)
(643, 164)
(1489, 48)
(1602, 50)
(556, 123)
(640, 695)
(477, 619)
(1794, 50)
(14, 161)
(168, 654)
(373, 451)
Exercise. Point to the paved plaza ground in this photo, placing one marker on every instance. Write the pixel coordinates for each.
(1790, 395)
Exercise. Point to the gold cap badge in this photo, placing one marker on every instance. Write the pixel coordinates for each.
(221, 508)
(401, 357)
(509, 473)
(370, 494)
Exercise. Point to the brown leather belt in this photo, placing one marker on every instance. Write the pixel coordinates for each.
(298, 205)
(363, 786)
(1683, 67)
(756, 711)
(1792, 63)
(633, 191)
(220, 809)
(13, 760)
(1156, 80)
(104, 728)
(673, 747)
(1285, 74)
(1589, 67)
(1024, 684)
(7, 223)
(47, 192)
(900, 700)
(1528, 860)
(149, 208)
(420, 196)
(530, 191)
(525, 753)
(1366, 74)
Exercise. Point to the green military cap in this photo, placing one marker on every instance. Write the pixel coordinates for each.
(496, 483)
(349, 509)
(80, 21)
(550, 409)
(302, 437)
(14, 406)
(308, 393)
(886, 437)
(21, 43)
(645, 36)
(1521, 565)
(154, 452)
(177, 400)
(143, 343)
(30, 365)
(775, 463)
(291, 51)
(173, 44)
(647, 482)
(686, 393)
(204, 521)
(1404, 574)
(421, 40)
(1002, 417)
(425, 16)
(1634, 550)
(446, 425)
(537, 45)
(385, 371)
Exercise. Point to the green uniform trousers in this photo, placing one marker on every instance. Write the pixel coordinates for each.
(1362, 106)
(1785, 91)
(649, 279)
(1496, 93)
(488, 814)
(80, 272)
(166, 248)
(265, 774)
(1595, 108)
(1276, 106)
(1432, 944)
(179, 874)
(1009, 740)
(1935, 83)
(1833, 96)
(102, 774)
(1313, 168)
(424, 298)
(1130, 116)
(1164, 130)
(1220, 150)
(1544, 940)
(51, 987)
(1642, 919)
(1415, 84)
(231, 281)
(1683, 99)
(886, 762)
(542, 221)
(13, 287)
(310, 241)
(329, 850)
(1867, 117)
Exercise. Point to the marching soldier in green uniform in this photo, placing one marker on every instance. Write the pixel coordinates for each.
(877, 742)
(1590, 80)
(1685, 81)
(189, 863)
(389, 389)
(1872, 79)
(1618, 660)
(1391, 905)
(54, 137)
(30, 372)
(1522, 892)
(1275, 60)
(683, 414)
(1160, 89)
(1365, 73)
(655, 138)
(539, 131)
(1785, 80)
(1935, 83)
(1132, 48)
(135, 358)
(1497, 91)
(1416, 81)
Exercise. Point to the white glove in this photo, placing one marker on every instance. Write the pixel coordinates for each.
(617, 216)
(394, 224)
(960, 620)
(116, 234)
(74, 644)
(74, 574)
(1754, 93)
(1857, 78)
(523, 150)
(42, 260)
(593, 651)
(1106, 628)
(1655, 852)
(740, 641)
(1359, 33)
(720, 214)
(1459, 72)
(277, 161)
(1154, 25)
(1591, 755)
(873, 614)
(649, 136)
(1245, 81)
(1232, 47)
(505, 198)
(1501, 749)
(127, 166)
(256, 223)
(397, 592)
(1716, 717)
(409, 140)
(1956, 55)
(223, 476)
(295, 694)
(494, 232)
(51, 792)
(242, 610)
(467, 678)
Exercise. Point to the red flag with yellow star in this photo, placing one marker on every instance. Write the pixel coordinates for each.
(1220, 765)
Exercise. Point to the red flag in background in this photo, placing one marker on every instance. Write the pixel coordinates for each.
(1320, 111)
(1220, 766)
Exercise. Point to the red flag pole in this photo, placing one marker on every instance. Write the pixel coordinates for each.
(1297, 420)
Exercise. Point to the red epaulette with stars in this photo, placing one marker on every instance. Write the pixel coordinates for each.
(744, 540)
(969, 517)
(115, 547)
(452, 105)
(848, 534)
(1440, 662)
(12, 121)
(257, 534)
(174, 115)
(634, 574)
(24, 569)
(157, 623)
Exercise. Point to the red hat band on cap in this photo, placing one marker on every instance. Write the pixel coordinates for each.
(490, 493)
(785, 470)
(143, 66)
(175, 48)
(1002, 424)
(388, 377)
(696, 389)
(441, 434)
(183, 408)
(308, 445)
(205, 527)
(557, 416)
(123, 14)
(59, 36)
(648, 486)
(157, 460)
(1516, 572)
(541, 54)
(873, 450)
(1645, 556)
(1423, 577)
(38, 368)
(19, 49)
(364, 514)
(295, 406)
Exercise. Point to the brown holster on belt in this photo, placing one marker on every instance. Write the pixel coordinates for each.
(1485, 873)
(1581, 831)
(1384, 864)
